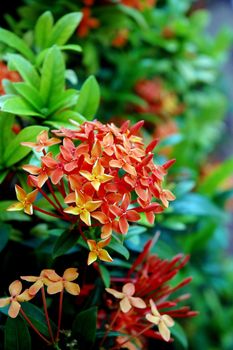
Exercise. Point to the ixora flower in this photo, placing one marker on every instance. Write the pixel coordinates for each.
(39, 281)
(58, 284)
(5, 73)
(97, 251)
(127, 299)
(104, 173)
(162, 321)
(25, 200)
(15, 298)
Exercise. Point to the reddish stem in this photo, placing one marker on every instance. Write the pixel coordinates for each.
(33, 327)
(81, 233)
(47, 198)
(54, 195)
(46, 314)
(133, 336)
(59, 314)
(48, 213)
(110, 326)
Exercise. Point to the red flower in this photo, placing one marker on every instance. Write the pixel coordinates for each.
(7, 74)
(88, 22)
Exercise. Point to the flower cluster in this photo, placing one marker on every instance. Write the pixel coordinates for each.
(54, 283)
(6, 74)
(103, 172)
(158, 100)
(146, 297)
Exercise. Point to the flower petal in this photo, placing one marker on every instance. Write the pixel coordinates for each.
(128, 289)
(138, 302)
(16, 206)
(115, 293)
(168, 320)
(20, 193)
(70, 274)
(153, 319)
(55, 287)
(34, 289)
(25, 296)
(92, 256)
(15, 288)
(85, 216)
(164, 331)
(125, 305)
(154, 308)
(5, 301)
(14, 309)
(72, 288)
(104, 256)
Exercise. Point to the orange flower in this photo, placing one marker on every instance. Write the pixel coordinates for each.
(42, 141)
(40, 281)
(25, 200)
(97, 251)
(87, 23)
(164, 195)
(84, 206)
(16, 297)
(127, 299)
(97, 177)
(58, 284)
(162, 321)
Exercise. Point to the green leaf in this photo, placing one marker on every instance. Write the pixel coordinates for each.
(13, 215)
(134, 14)
(12, 40)
(14, 152)
(3, 174)
(66, 241)
(178, 332)
(118, 247)
(37, 317)
(64, 117)
(5, 229)
(26, 70)
(6, 123)
(67, 99)
(216, 178)
(89, 98)
(64, 28)
(105, 275)
(17, 105)
(43, 29)
(53, 76)
(84, 327)
(16, 334)
(30, 94)
(71, 47)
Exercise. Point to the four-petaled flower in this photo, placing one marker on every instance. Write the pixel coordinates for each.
(16, 297)
(162, 321)
(97, 251)
(58, 284)
(97, 177)
(127, 299)
(25, 200)
(84, 206)
(42, 141)
(39, 281)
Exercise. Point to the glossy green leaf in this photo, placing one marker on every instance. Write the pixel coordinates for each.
(71, 47)
(26, 70)
(43, 29)
(18, 106)
(14, 151)
(217, 177)
(37, 317)
(89, 98)
(105, 275)
(66, 100)
(30, 94)
(179, 334)
(119, 248)
(65, 242)
(6, 123)
(12, 40)
(16, 335)
(84, 327)
(64, 28)
(53, 76)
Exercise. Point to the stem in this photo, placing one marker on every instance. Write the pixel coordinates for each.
(81, 233)
(132, 336)
(46, 314)
(54, 195)
(59, 314)
(110, 326)
(48, 213)
(33, 327)
(47, 198)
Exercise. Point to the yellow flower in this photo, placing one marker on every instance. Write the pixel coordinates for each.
(97, 177)
(97, 251)
(127, 299)
(25, 200)
(16, 297)
(84, 206)
(162, 321)
(39, 281)
(58, 283)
